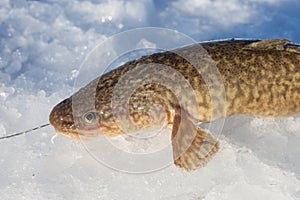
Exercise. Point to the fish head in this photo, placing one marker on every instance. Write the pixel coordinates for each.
(85, 115)
(72, 124)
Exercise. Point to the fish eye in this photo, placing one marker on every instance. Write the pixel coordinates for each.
(90, 117)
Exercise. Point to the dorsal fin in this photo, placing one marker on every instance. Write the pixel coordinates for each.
(294, 48)
(272, 44)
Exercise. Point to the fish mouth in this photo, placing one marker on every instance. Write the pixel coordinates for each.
(69, 134)
(79, 133)
(88, 133)
(77, 130)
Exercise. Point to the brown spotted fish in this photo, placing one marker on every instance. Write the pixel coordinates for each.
(260, 77)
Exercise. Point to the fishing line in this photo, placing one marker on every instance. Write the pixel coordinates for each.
(23, 132)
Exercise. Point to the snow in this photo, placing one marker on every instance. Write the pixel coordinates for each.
(42, 47)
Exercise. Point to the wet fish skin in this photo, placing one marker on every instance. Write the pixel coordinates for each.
(261, 77)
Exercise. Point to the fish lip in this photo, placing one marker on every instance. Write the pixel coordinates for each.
(83, 134)
(67, 133)
(80, 131)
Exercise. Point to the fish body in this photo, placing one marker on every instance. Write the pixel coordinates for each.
(260, 77)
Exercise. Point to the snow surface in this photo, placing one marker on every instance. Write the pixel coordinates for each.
(42, 46)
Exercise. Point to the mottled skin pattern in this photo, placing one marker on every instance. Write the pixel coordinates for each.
(260, 77)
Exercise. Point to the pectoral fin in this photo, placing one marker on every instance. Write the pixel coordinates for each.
(192, 146)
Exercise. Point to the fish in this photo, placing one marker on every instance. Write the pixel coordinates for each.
(259, 78)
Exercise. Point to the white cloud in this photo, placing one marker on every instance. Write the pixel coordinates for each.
(116, 12)
(223, 13)
(268, 1)
(213, 15)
